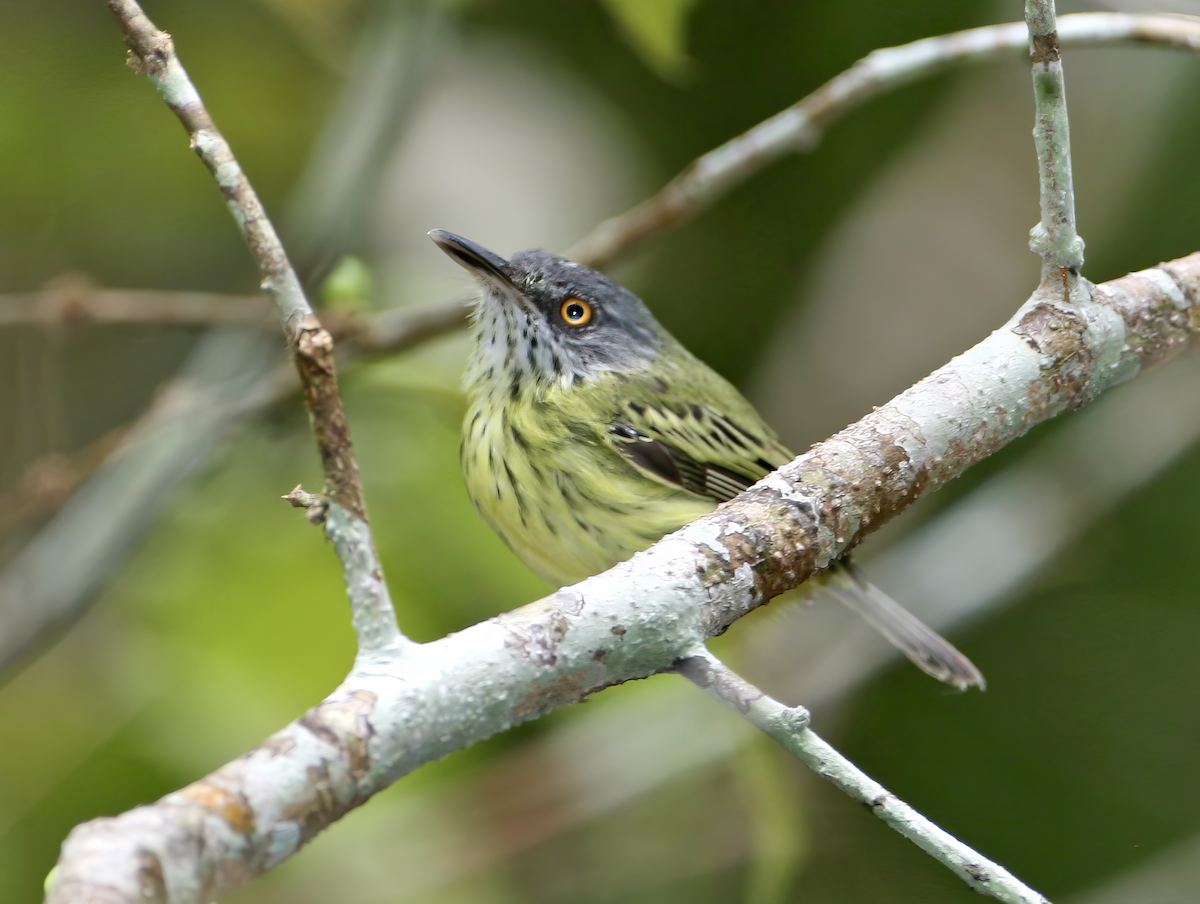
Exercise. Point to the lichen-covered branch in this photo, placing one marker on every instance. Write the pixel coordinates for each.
(641, 617)
(789, 725)
(799, 128)
(1054, 238)
(703, 181)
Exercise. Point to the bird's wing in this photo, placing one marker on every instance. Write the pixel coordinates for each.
(696, 447)
(708, 453)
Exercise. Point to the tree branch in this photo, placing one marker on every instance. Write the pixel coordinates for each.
(152, 53)
(82, 304)
(1054, 238)
(356, 334)
(698, 185)
(789, 726)
(391, 716)
(639, 618)
(798, 129)
(228, 378)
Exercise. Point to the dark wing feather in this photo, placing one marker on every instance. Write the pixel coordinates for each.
(697, 448)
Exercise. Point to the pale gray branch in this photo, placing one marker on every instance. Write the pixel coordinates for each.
(698, 185)
(789, 726)
(397, 711)
(1054, 238)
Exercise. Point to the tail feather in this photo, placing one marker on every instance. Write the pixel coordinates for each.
(931, 652)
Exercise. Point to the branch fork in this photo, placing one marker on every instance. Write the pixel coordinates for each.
(152, 52)
(404, 704)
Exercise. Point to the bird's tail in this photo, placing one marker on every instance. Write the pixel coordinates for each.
(931, 652)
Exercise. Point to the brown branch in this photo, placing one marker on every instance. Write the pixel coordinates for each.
(50, 480)
(152, 53)
(83, 304)
(398, 329)
(358, 334)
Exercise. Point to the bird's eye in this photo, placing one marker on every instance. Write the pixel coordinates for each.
(576, 312)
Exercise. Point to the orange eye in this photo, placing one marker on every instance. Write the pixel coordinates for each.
(576, 312)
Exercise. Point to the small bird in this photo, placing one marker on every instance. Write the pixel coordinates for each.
(591, 432)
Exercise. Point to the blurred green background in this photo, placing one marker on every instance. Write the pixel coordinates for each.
(823, 286)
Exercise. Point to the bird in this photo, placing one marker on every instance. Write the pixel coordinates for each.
(590, 432)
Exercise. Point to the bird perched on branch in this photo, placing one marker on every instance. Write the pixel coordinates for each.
(591, 432)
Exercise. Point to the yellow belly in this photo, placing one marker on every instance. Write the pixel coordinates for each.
(563, 499)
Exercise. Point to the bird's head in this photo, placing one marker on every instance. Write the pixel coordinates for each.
(551, 319)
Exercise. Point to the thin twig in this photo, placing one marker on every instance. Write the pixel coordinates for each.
(357, 334)
(152, 53)
(1054, 238)
(798, 129)
(50, 480)
(82, 304)
(789, 725)
(100, 525)
(191, 415)
(399, 329)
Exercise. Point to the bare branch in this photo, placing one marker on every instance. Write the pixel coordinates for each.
(357, 334)
(60, 306)
(152, 53)
(389, 717)
(798, 129)
(1054, 238)
(399, 329)
(227, 379)
(100, 524)
(49, 481)
(789, 726)
(721, 169)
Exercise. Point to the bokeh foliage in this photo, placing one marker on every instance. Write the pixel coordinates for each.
(1074, 765)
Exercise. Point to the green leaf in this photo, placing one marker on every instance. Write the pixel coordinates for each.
(656, 29)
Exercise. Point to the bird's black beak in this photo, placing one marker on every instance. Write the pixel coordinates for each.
(475, 258)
